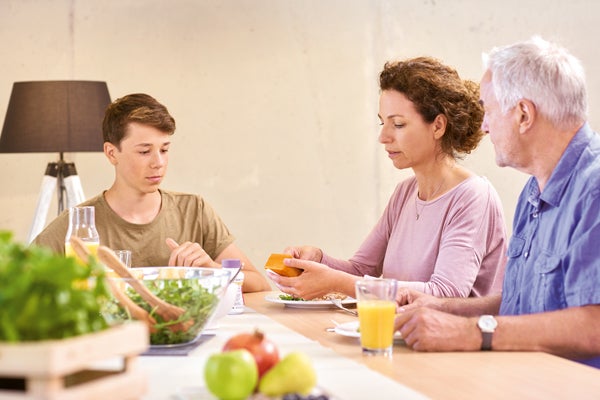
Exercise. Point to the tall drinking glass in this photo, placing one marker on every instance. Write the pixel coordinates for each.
(82, 224)
(376, 302)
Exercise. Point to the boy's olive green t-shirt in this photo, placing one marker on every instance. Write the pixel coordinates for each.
(182, 217)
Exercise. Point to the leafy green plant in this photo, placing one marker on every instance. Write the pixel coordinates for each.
(47, 296)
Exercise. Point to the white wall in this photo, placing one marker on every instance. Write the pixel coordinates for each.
(275, 100)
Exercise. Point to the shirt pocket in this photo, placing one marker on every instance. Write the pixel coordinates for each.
(515, 247)
(511, 287)
(548, 291)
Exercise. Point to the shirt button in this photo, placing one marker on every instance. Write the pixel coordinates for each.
(535, 214)
(526, 254)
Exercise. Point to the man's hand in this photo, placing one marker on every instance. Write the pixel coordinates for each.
(425, 329)
(409, 299)
(425, 326)
(188, 254)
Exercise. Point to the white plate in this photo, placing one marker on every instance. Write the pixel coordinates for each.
(274, 298)
(350, 329)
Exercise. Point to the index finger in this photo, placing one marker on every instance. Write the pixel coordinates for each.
(171, 243)
(175, 249)
(402, 317)
(292, 251)
(299, 263)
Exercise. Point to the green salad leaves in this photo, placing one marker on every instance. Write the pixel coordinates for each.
(188, 294)
(47, 296)
(290, 297)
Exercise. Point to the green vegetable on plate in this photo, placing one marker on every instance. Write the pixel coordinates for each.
(290, 297)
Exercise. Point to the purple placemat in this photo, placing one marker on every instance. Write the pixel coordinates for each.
(182, 350)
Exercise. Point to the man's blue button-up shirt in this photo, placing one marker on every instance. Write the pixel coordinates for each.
(554, 253)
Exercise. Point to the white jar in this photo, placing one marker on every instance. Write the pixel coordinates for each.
(238, 305)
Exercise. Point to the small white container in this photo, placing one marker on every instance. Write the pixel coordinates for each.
(238, 305)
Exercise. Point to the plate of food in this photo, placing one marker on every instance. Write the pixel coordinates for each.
(320, 302)
(350, 329)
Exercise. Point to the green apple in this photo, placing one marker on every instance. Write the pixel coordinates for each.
(231, 375)
(293, 374)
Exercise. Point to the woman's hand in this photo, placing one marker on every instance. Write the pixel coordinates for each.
(315, 281)
(309, 253)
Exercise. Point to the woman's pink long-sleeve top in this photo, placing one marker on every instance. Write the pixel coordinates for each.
(456, 248)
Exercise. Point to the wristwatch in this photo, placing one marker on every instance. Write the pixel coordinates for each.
(487, 324)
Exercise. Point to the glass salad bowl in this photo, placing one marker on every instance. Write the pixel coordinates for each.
(175, 302)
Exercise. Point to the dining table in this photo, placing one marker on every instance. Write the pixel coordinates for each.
(344, 373)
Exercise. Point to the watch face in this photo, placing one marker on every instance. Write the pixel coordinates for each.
(487, 323)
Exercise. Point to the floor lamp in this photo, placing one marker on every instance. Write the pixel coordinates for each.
(55, 117)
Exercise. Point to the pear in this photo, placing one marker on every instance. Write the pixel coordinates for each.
(293, 374)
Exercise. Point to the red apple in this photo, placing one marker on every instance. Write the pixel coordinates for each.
(263, 350)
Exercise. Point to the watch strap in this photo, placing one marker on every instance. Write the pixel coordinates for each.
(486, 344)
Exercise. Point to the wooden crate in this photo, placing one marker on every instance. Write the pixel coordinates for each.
(67, 369)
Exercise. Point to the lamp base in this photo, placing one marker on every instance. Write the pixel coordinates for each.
(63, 178)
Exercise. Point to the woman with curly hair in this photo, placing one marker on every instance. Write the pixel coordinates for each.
(443, 231)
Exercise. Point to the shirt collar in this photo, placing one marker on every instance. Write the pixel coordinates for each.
(565, 168)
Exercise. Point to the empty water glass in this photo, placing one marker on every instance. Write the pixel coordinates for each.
(124, 256)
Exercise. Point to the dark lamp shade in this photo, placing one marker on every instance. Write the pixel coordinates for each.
(54, 117)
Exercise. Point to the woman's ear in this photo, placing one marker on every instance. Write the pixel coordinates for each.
(109, 151)
(439, 126)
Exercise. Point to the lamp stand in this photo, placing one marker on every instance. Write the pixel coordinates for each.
(62, 177)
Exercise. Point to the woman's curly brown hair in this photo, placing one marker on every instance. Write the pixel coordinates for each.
(434, 89)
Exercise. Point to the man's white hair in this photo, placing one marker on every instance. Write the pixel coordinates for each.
(544, 73)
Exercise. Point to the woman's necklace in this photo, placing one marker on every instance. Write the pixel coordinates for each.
(417, 211)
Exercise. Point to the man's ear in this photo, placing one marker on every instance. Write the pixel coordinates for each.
(527, 114)
(439, 126)
(109, 151)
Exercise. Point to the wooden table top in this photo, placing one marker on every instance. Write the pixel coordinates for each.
(450, 375)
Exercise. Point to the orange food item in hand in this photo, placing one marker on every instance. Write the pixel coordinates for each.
(275, 264)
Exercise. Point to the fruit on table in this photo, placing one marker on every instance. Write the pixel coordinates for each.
(231, 375)
(263, 350)
(293, 374)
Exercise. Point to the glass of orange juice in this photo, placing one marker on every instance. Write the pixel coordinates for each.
(376, 302)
